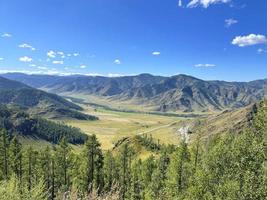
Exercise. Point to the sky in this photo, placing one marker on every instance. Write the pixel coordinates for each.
(208, 39)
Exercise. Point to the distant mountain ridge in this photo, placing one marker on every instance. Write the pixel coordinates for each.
(37, 101)
(175, 93)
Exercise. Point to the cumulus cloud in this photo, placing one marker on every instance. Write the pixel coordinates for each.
(205, 65)
(58, 62)
(249, 40)
(61, 54)
(230, 22)
(1, 59)
(51, 54)
(76, 54)
(156, 53)
(180, 3)
(83, 66)
(32, 65)
(117, 62)
(205, 3)
(25, 59)
(260, 50)
(6, 35)
(42, 68)
(27, 46)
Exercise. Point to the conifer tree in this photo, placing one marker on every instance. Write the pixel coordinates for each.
(125, 156)
(62, 161)
(15, 152)
(179, 170)
(4, 162)
(93, 165)
(109, 170)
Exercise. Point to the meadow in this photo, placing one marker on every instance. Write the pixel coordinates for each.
(114, 125)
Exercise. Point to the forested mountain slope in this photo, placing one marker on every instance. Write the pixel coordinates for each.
(225, 166)
(38, 102)
(17, 122)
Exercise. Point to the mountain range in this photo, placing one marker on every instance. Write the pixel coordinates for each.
(176, 93)
(38, 102)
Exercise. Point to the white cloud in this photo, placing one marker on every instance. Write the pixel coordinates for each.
(51, 54)
(205, 3)
(58, 62)
(45, 71)
(180, 3)
(76, 54)
(205, 65)
(27, 46)
(117, 62)
(262, 50)
(114, 75)
(42, 68)
(32, 65)
(69, 55)
(249, 40)
(1, 59)
(61, 54)
(83, 66)
(156, 53)
(25, 59)
(230, 22)
(6, 35)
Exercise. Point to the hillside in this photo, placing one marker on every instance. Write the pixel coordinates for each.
(19, 123)
(38, 102)
(177, 93)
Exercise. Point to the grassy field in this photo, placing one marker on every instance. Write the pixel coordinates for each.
(113, 125)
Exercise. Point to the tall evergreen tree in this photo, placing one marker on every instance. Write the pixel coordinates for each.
(4, 163)
(15, 152)
(125, 159)
(110, 169)
(179, 170)
(62, 161)
(93, 165)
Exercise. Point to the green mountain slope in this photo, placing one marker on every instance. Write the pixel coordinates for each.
(17, 122)
(38, 102)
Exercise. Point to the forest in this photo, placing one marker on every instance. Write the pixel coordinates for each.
(225, 166)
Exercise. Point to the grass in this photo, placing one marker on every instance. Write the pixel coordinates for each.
(114, 125)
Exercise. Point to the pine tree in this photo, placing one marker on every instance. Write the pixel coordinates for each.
(45, 167)
(109, 170)
(15, 153)
(179, 170)
(136, 189)
(29, 167)
(93, 165)
(4, 162)
(62, 161)
(125, 157)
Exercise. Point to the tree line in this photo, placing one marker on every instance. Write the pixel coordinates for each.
(226, 166)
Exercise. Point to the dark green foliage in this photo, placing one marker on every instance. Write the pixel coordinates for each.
(92, 167)
(21, 123)
(54, 132)
(148, 142)
(228, 166)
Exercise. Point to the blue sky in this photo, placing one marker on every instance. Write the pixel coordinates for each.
(209, 39)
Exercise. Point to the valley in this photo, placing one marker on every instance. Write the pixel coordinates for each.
(114, 125)
(66, 136)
